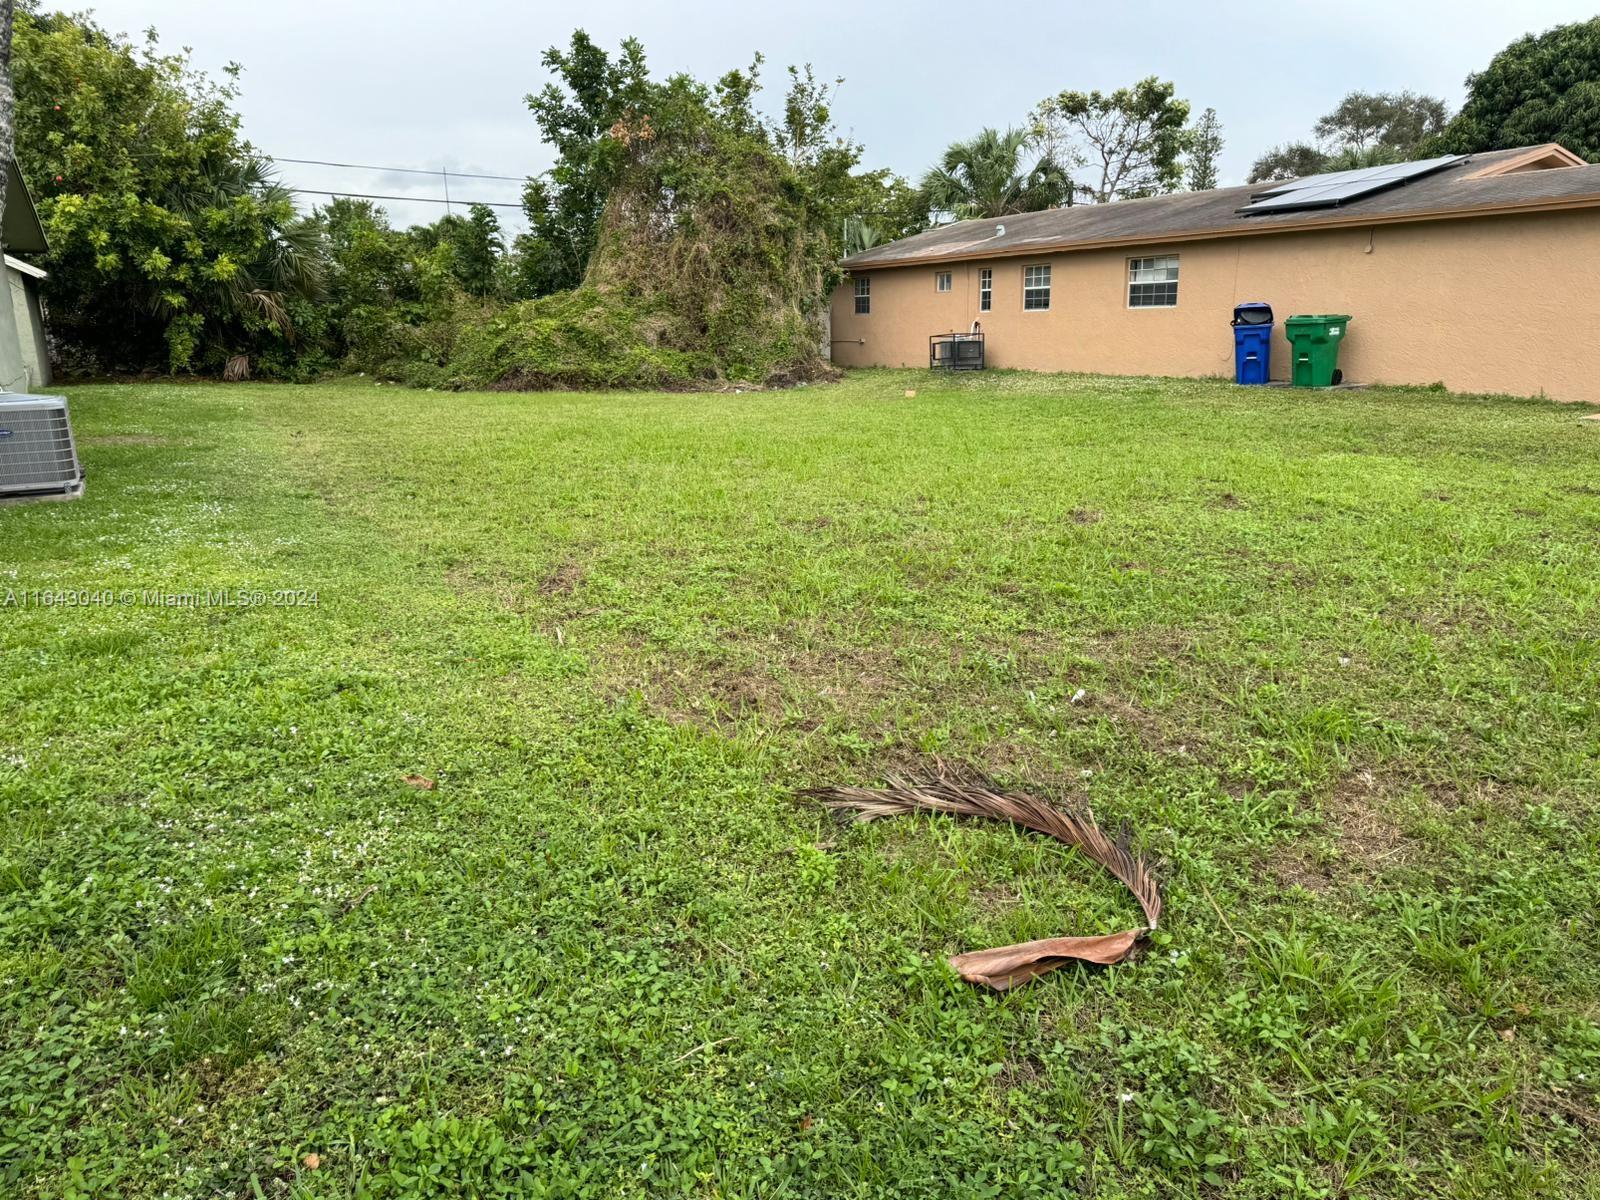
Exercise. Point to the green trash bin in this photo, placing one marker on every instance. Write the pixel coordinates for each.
(1314, 348)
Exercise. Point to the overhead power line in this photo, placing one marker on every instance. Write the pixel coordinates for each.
(406, 199)
(319, 162)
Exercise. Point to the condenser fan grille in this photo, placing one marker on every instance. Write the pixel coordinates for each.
(36, 448)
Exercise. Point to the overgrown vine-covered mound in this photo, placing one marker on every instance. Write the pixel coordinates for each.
(713, 265)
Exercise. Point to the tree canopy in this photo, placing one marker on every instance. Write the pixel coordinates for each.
(1399, 122)
(576, 111)
(1541, 88)
(1131, 141)
(1365, 129)
(1205, 148)
(171, 243)
(991, 175)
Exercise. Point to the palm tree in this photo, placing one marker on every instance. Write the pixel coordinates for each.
(286, 264)
(859, 236)
(987, 176)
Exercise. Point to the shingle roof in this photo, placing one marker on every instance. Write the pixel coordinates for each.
(1188, 215)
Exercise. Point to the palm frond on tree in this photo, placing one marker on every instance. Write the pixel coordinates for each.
(989, 176)
(1005, 967)
(289, 263)
(859, 236)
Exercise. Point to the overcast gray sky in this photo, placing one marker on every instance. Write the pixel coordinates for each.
(421, 84)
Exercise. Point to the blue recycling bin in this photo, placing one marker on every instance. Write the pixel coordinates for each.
(1252, 342)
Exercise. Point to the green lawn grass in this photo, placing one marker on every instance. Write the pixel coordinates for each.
(1335, 658)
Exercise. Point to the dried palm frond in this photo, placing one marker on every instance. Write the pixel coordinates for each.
(1006, 966)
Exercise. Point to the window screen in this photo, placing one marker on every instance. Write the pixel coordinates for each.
(863, 295)
(985, 290)
(942, 281)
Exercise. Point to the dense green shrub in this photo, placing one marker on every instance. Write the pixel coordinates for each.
(1541, 88)
(171, 247)
(695, 239)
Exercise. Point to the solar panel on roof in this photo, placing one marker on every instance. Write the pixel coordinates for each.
(1335, 187)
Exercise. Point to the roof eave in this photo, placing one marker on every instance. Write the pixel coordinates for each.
(1260, 229)
(23, 231)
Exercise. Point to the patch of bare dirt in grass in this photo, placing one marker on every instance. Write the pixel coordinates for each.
(1130, 647)
(802, 688)
(1459, 616)
(1148, 729)
(714, 697)
(1367, 839)
(1358, 813)
(562, 581)
(1292, 866)
(995, 899)
(1020, 1074)
(1087, 516)
(469, 581)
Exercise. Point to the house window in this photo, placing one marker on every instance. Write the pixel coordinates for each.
(942, 281)
(1153, 282)
(1036, 287)
(863, 295)
(985, 290)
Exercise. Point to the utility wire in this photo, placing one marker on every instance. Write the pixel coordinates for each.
(407, 199)
(318, 162)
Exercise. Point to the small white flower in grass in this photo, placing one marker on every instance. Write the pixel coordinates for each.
(1126, 1098)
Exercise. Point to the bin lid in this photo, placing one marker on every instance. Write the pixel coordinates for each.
(1252, 312)
(1323, 318)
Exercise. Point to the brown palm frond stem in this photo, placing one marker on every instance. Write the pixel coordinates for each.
(1007, 966)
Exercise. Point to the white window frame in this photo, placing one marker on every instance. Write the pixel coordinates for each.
(986, 289)
(944, 281)
(1034, 272)
(1156, 273)
(863, 292)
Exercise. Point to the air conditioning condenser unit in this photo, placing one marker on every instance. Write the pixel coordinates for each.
(38, 457)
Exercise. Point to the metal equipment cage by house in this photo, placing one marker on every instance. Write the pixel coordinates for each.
(955, 352)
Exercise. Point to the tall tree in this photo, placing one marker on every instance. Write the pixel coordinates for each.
(171, 244)
(1288, 161)
(592, 94)
(1365, 129)
(1396, 121)
(1540, 88)
(478, 247)
(989, 176)
(1205, 147)
(840, 197)
(8, 133)
(1133, 139)
(12, 371)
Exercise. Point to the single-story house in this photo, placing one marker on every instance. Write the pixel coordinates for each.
(24, 353)
(1477, 271)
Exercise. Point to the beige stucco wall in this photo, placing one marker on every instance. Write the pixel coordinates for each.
(1492, 304)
